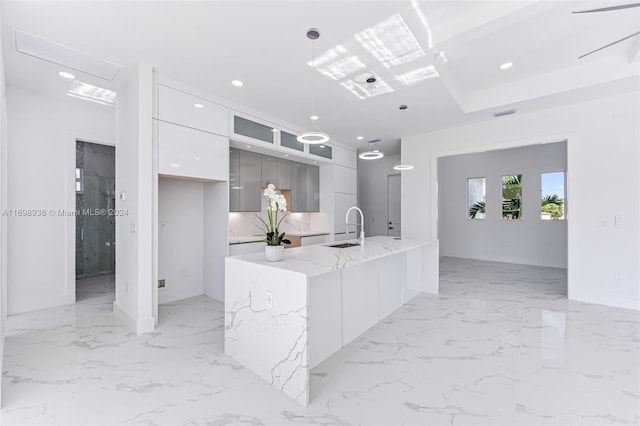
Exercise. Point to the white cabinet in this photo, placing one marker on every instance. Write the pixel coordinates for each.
(342, 204)
(182, 108)
(359, 300)
(346, 180)
(190, 153)
(311, 240)
(344, 157)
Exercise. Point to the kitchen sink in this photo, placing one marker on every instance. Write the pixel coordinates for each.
(344, 245)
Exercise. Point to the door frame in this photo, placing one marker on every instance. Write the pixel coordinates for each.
(389, 176)
(71, 201)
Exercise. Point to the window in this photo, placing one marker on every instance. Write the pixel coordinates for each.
(553, 196)
(476, 193)
(512, 197)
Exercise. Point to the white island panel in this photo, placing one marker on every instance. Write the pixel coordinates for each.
(283, 318)
(266, 325)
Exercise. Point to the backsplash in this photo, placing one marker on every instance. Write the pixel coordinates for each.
(243, 224)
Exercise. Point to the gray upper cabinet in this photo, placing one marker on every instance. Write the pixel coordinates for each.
(298, 187)
(234, 180)
(270, 171)
(321, 150)
(284, 174)
(252, 129)
(313, 188)
(290, 141)
(305, 188)
(248, 173)
(245, 176)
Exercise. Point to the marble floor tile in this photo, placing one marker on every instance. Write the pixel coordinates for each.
(500, 345)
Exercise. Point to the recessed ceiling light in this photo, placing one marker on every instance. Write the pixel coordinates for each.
(323, 146)
(315, 162)
(237, 83)
(198, 105)
(360, 138)
(274, 130)
(286, 155)
(66, 75)
(314, 117)
(248, 146)
(506, 66)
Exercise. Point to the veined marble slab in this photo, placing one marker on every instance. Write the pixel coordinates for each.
(320, 259)
(317, 299)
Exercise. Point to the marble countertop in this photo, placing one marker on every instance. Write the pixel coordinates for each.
(257, 238)
(246, 239)
(319, 259)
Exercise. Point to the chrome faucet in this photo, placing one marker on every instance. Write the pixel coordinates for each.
(346, 220)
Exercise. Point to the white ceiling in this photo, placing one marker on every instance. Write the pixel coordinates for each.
(207, 44)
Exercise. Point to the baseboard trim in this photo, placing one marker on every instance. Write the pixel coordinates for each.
(139, 326)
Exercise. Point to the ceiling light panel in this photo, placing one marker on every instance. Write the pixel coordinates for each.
(89, 92)
(49, 51)
(417, 75)
(337, 63)
(391, 42)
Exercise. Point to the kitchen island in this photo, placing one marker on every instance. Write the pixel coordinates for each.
(284, 318)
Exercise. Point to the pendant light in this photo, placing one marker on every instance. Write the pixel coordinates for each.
(402, 167)
(314, 136)
(371, 154)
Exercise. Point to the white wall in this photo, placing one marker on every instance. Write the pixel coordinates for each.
(3, 203)
(42, 133)
(603, 160)
(134, 179)
(216, 237)
(531, 240)
(180, 238)
(373, 181)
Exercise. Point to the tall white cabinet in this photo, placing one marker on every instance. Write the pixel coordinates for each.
(191, 148)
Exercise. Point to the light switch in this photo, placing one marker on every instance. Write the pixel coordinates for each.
(618, 221)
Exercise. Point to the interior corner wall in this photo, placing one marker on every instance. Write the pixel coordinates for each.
(3, 200)
(134, 187)
(373, 181)
(41, 146)
(216, 237)
(530, 240)
(180, 238)
(602, 161)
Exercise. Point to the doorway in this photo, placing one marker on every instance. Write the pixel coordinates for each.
(394, 226)
(95, 222)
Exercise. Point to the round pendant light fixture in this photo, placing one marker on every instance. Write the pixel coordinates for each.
(313, 136)
(371, 154)
(402, 167)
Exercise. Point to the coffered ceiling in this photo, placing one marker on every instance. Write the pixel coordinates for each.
(441, 58)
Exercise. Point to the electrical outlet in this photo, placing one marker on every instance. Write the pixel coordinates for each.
(269, 299)
(161, 283)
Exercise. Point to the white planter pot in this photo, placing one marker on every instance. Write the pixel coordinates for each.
(273, 253)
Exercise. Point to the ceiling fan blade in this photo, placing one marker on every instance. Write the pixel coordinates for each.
(610, 44)
(608, 9)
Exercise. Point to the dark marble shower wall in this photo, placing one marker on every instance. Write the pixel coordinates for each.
(95, 234)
